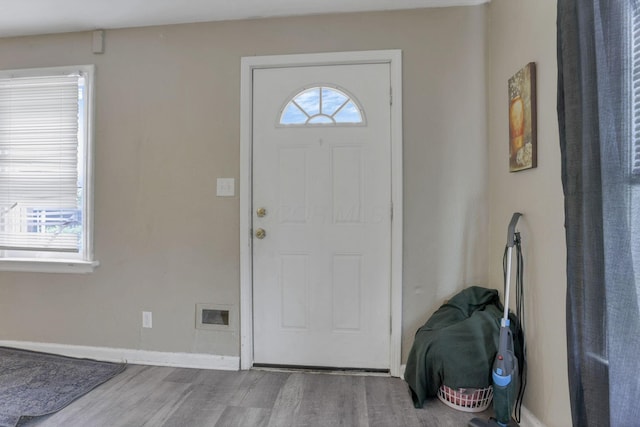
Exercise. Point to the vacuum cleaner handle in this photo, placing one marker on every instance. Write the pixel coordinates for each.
(511, 241)
(511, 232)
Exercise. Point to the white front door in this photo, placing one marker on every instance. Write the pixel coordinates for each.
(322, 271)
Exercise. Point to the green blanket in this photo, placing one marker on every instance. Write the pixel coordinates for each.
(457, 345)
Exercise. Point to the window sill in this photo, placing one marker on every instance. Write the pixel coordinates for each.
(48, 266)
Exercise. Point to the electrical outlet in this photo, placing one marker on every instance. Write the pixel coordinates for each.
(147, 319)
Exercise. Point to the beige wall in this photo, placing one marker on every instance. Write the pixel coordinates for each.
(520, 32)
(168, 126)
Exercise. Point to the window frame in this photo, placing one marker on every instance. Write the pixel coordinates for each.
(85, 263)
(291, 99)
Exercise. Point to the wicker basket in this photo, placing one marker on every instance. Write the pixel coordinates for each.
(466, 399)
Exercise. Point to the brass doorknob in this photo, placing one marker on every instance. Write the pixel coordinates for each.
(260, 233)
(261, 212)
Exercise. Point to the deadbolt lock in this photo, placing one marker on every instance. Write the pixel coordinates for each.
(261, 212)
(260, 233)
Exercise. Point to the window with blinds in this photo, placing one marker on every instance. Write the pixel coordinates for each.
(44, 163)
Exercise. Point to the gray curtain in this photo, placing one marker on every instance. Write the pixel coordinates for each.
(602, 213)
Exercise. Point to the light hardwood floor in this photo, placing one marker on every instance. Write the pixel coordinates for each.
(175, 397)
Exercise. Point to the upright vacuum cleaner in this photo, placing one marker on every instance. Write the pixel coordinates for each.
(508, 383)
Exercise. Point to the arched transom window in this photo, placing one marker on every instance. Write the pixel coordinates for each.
(321, 105)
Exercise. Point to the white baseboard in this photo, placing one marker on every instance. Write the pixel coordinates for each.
(527, 419)
(138, 357)
(402, 369)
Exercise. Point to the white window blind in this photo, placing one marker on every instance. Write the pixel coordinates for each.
(40, 187)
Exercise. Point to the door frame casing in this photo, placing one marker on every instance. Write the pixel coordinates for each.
(248, 64)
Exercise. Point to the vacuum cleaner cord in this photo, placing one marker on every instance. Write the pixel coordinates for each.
(519, 324)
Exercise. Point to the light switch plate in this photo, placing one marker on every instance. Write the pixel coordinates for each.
(226, 187)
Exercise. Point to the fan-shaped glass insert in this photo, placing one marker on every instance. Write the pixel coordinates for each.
(321, 105)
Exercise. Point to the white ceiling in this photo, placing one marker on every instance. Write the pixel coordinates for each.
(28, 17)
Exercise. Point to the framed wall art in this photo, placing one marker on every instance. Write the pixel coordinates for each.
(523, 144)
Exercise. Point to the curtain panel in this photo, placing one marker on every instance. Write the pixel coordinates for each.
(595, 94)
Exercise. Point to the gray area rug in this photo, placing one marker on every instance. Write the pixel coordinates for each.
(34, 384)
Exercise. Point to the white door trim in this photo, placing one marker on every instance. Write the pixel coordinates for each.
(248, 64)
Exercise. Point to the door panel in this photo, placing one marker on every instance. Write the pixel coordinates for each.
(321, 275)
